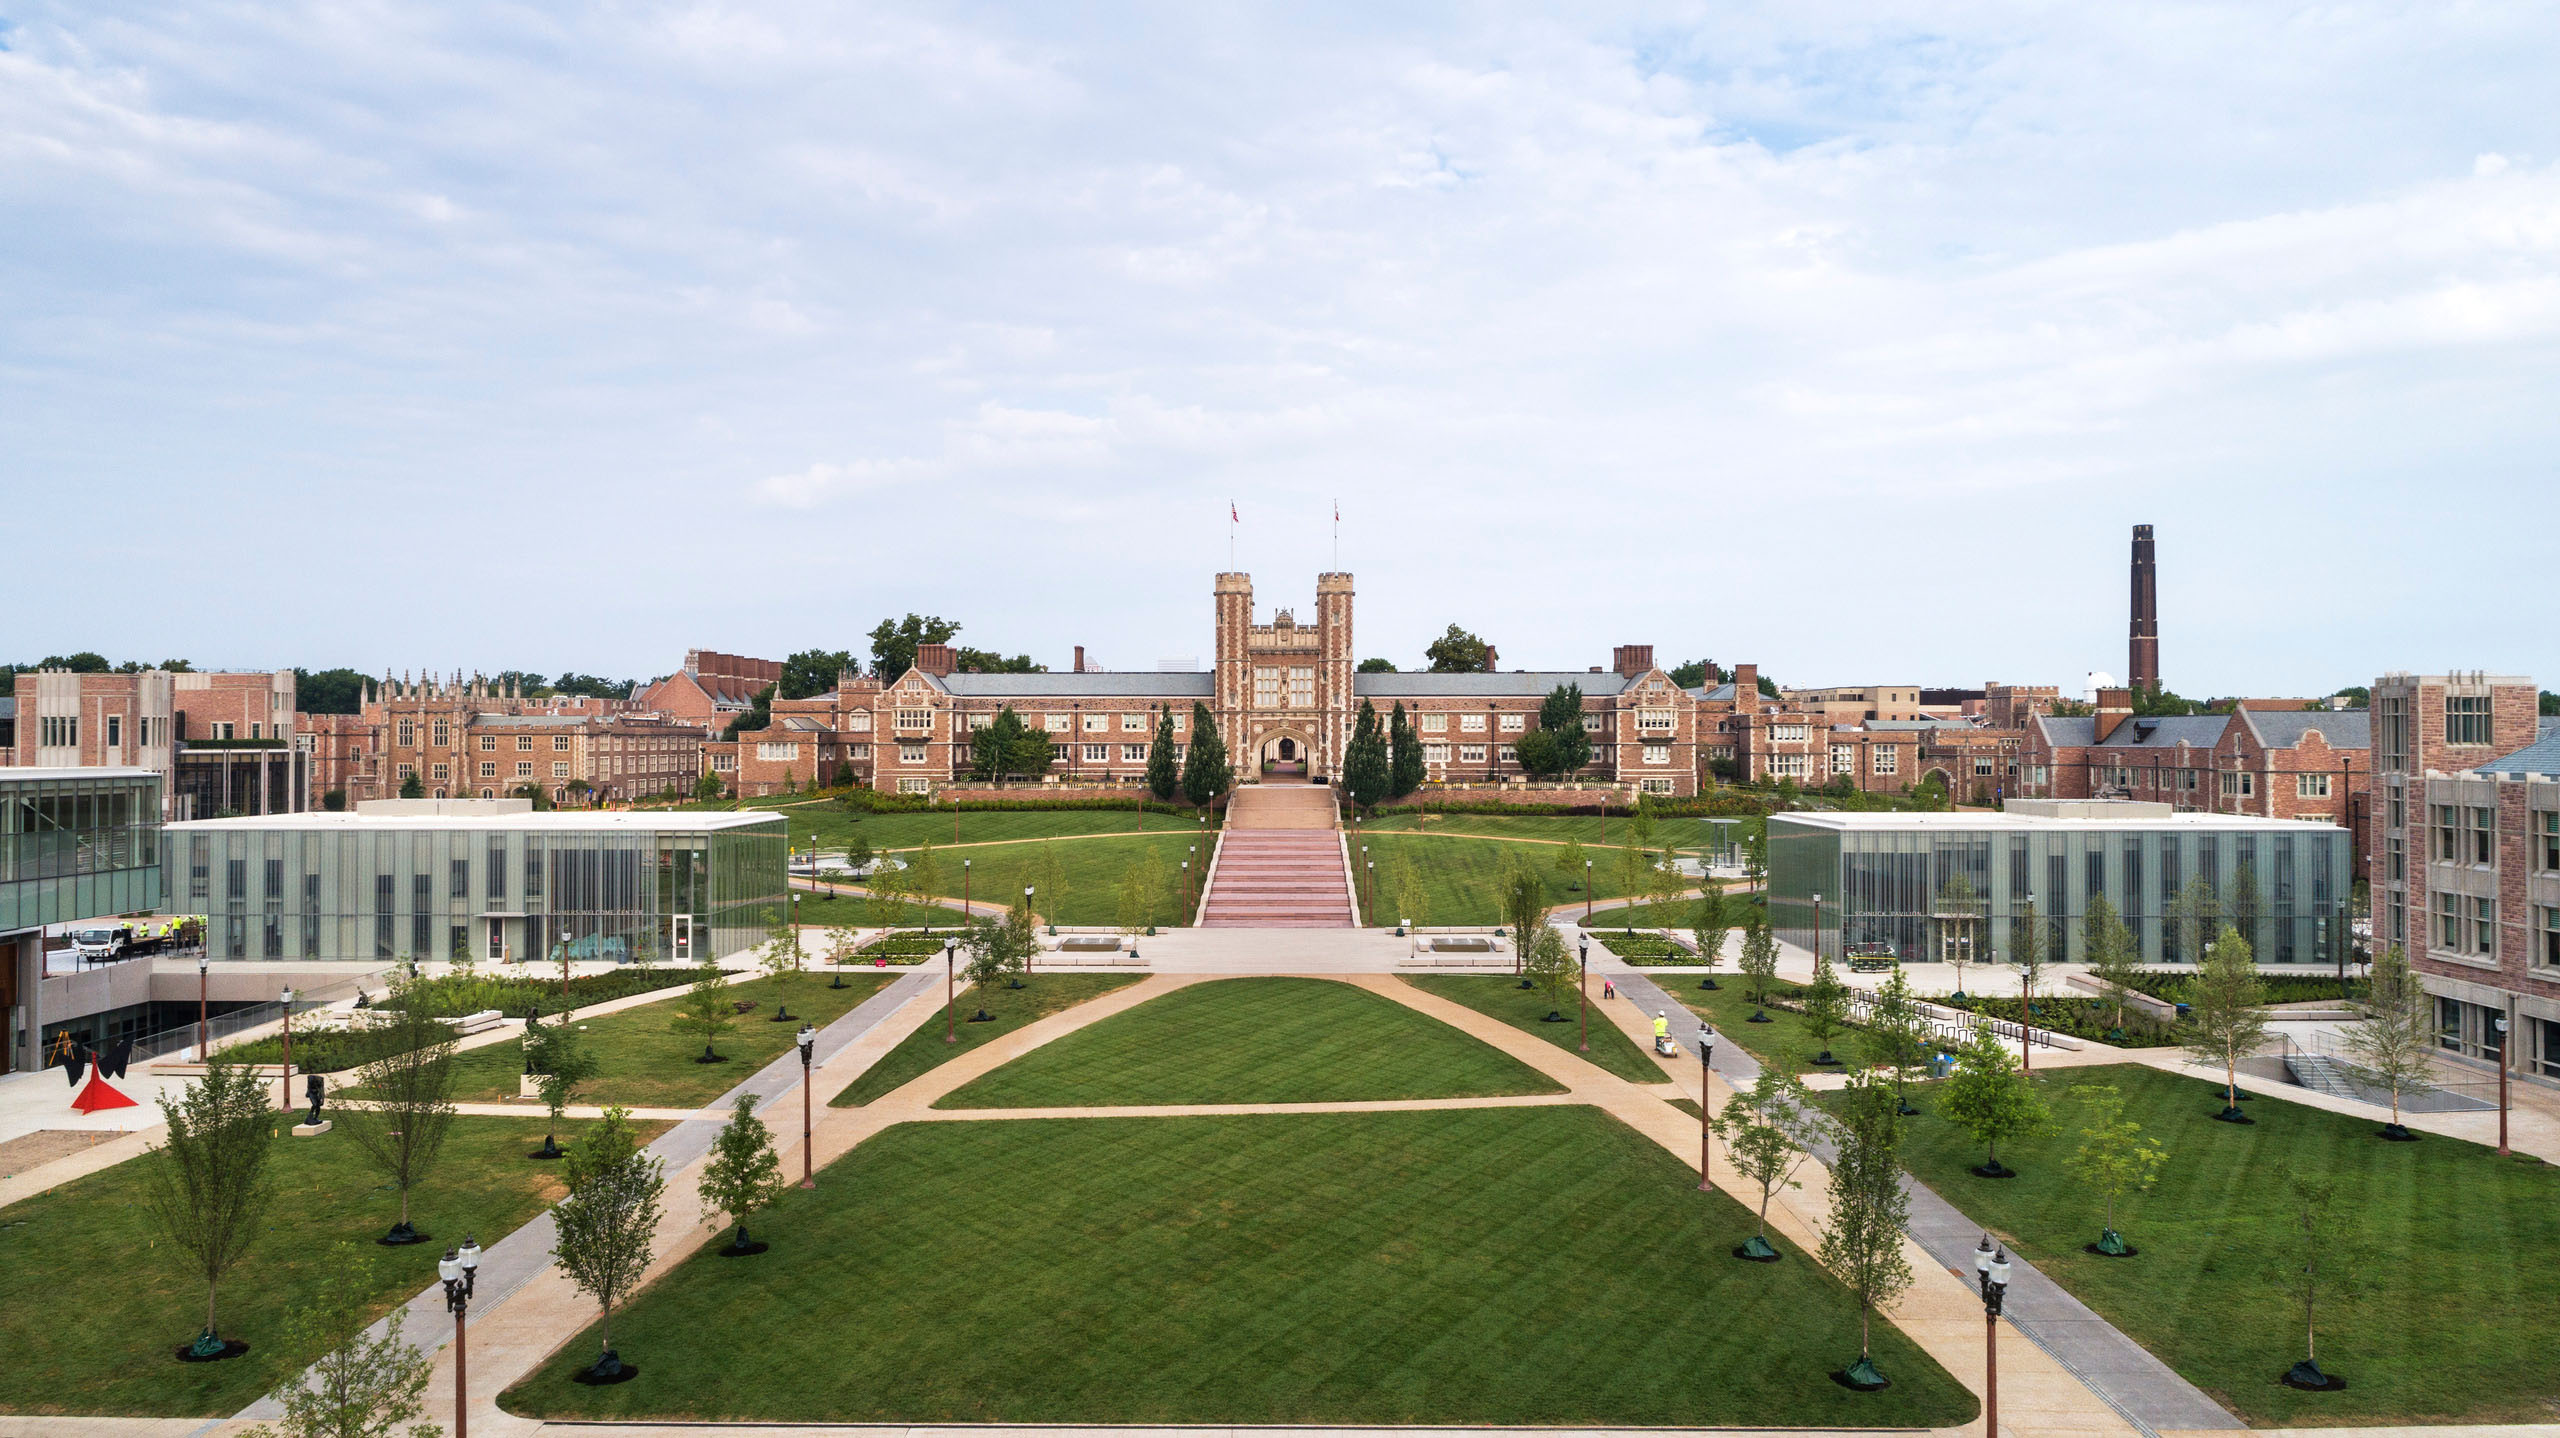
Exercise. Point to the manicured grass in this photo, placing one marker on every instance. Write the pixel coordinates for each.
(95, 1301)
(924, 1050)
(1487, 1266)
(1780, 1044)
(1091, 868)
(1524, 1010)
(905, 831)
(644, 1063)
(1677, 916)
(1459, 876)
(2449, 1248)
(1255, 1041)
(861, 911)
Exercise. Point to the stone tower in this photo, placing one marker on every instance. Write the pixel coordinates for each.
(1284, 681)
(2142, 650)
(1233, 595)
(1333, 680)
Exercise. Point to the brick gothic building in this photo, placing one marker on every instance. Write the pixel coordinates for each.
(1282, 692)
(474, 738)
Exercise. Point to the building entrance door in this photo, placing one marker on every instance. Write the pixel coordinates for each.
(684, 939)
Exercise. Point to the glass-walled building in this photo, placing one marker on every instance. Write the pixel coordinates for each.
(1931, 887)
(436, 879)
(74, 844)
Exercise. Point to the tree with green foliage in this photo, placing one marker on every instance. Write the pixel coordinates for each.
(1696, 674)
(1412, 898)
(889, 883)
(1368, 771)
(1755, 854)
(2226, 1014)
(1959, 923)
(1571, 859)
(1005, 748)
(1768, 1131)
(1897, 1036)
(328, 691)
(2395, 1042)
(1630, 864)
(857, 853)
(404, 1063)
(744, 1173)
(783, 957)
(1709, 922)
(707, 788)
(706, 1010)
(2240, 909)
(894, 643)
(813, 672)
(1377, 666)
(2193, 916)
(411, 786)
(1550, 969)
(1560, 745)
(359, 1387)
(1003, 948)
(924, 877)
(2114, 1158)
(2312, 1230)
(1870, 1213)
(1141, 890)
(1826, 1007)
(2114, 960)
(1206, 773)
(1051, 894)
(1164, 772)
(1759, 962)
(1524, 904)
(1459, 652)
(603, 1229)
(561, 1063)
(207, 1187)
(1988, 1097)
(757, 719)
(2027, 951)
(1405, 769)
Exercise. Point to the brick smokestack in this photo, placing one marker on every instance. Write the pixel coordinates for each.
(935, 659)
(1079, 659)
(2142, 658)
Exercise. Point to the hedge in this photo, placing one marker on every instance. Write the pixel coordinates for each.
(872, 801)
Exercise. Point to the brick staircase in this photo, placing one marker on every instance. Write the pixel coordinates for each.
(1279, 862)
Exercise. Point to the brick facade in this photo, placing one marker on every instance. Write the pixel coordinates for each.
(472, 738)
(223, 741)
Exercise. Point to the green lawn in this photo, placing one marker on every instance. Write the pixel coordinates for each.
(644, 1063)
(1091, 868)
(1488, 1266)
(905, 831)
(922, 1051)
(1458, 876)
(94, 1301)
(2449, 1250)
(1676, 916)
(859, 911)
(1524, 1010)
(1255, 1041)
(1781, 1043)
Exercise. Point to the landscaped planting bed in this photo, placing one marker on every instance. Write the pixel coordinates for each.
(1644, 949)
(2280, 988)
(2086, 1018)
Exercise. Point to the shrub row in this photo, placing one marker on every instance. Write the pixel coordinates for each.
(1644, 949)
(872, 801)
(2088, 1018)
(2280, 988)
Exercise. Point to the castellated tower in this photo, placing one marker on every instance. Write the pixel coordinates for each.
(1333, 679)
(1233, 595)
(1283, 689)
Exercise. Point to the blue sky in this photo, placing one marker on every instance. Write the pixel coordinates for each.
(1846, 339)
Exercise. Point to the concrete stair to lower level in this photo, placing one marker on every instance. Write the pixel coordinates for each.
(1278, 878)
(1282, 806)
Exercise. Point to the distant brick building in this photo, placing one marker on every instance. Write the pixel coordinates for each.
(223, 741)
(477, 738)
(710, 689)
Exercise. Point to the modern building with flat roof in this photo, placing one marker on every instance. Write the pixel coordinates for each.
(75, 843)
(1931, 884)
(432, 879)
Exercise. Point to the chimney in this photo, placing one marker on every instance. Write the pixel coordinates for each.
(2142, 657)
(1746, 688)
(2115, 706)
(1492, 659)
(1631, 660)
(1079, 659)
(935, 659)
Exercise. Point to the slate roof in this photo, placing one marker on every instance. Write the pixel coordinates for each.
(1722, 693)
(2201, 731)
(2284, 728)
(1116, 684)
(1524, 685)
(1905, 725)
(2067, 732)
(2542, 756)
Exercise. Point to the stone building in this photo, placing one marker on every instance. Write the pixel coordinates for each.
(478, 738)
(223, 742)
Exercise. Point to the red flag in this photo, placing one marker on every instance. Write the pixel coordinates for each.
(1231, 513)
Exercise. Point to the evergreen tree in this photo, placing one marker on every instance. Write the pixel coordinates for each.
(1826, 1007)
(1768, 1130)
(207, 1184)
(2395, 1040)
(1368, 771)
(1870, 1212)
(1989, 1098)
(1559, 746)
(2114, 1158)
(1164, 775)
(2226, 1017)
(1205, 772)
(743, 1175)
(603, 1229)
(411, 786)
(1404, 758)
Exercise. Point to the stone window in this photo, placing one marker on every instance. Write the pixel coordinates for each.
(1133, 753)
(859, 719)
(1514, 723)
(915, 718)
(443, 733)
(1655, 786)
(1266, 688)
(1657, 753)
(1097, 723)
(1788, 733)
(857, 751)
(559, 743)
(1302, 688)
(1471, 753)
(408, 732)
(1982, 770)
(1435, 723)
(915, 786)
(2484, 926)
(723, 763)
(2484, 835)
(2237, 786)
(524, 768)
(1886, 759)
(524, 743)
(1133, 723)
(2549, 822)
(1056, 723)
(2311, 786)
(2547, 952)
(559, 771)
(911, 753)
(440, 772)
(781, 753)
(1655, 721)
(1844, 759)
(488, 743)
(1470, 723)
(2448, 917)
(1789, 766)
(1097, 753)
(2466, 719)
(1435, 753)
(488, 769)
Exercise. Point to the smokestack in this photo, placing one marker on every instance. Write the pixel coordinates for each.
(1079, 659)
(2142, 659)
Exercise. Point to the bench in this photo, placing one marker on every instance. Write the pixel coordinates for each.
(1867, 964)
(467, 1024)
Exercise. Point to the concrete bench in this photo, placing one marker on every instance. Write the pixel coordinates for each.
(474, 1023)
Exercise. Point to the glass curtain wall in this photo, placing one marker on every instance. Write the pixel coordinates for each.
(1932, 895)
(78, 848)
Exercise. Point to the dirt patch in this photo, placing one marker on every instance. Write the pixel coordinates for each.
(47, 1144)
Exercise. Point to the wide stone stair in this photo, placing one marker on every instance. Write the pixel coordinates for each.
(1280, 862)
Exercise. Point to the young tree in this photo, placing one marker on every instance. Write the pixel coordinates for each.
(605, 1225)
(1404, 754)
(561, 1062)
(706, 1011)
(706, 788)
(2226, 1017)
(1551, 970)
(1897, 1036)
(857, 853)
(404, 1060)
(2114, 1158)
(1524, 907)
(1709, 923)
(2114, 960)
(2312, 1228)
(2394, 1042)
(1826, 1007)
(1164, 775)
(1570, 858)
(783, 958)
(2026, 946)
(2192, 918)
(1755, 854)
(207, 1186)
(1862, 1242)
(1412, 900)
(889, 885)
(1205, 771)
(743, 1175)
(1053, 880)
(2242, 905)
(1141, 891)
(1989, 1098)
(1368, 772)
(1767, 1131)
(1002, 948)
(1759, 962)
(360, 1387)
(1959, 925)
(924, 877)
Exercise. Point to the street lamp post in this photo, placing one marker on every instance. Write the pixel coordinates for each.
(1369, 881)
(286, 996)
(1586, 874)
(204, 1040)
(965, 910)
(1706, 1065)
(950, 990)
(1186, 891)
(808, 1044)
(1991, 1270)
(1029, 898)
(1586, 993)
(2499, 1024)
(460, 1270)
(1817, 928)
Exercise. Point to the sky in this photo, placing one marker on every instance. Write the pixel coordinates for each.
(1845, 339)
